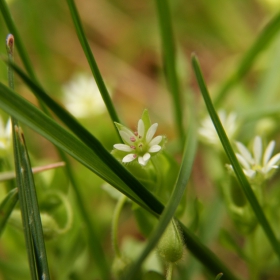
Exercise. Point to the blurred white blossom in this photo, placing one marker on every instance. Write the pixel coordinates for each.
(258, 165)
(81, 96)
(208, 133)
(5, 135)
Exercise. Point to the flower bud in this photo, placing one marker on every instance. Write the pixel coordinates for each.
(171, 244)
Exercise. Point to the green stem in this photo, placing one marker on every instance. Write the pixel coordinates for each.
(92, 63)
(169, 271)
(115, 222)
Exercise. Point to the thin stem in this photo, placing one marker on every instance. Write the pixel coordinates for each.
(92, 63)
(169, 271)
(115, 222)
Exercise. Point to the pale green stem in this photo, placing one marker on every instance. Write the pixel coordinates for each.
(169, 271)
(115, 223)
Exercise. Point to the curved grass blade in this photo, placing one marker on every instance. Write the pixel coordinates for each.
(168, 49)
(28, 201)
(48, 128)
(31, 219)
(266, 36)
(7, 207)
(38, 121)
(89, 140)
(169, 211)
(234, 162)
(92, 63)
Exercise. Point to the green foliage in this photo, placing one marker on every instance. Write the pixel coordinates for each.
(132, 187)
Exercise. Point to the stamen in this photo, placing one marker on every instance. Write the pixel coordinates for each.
(132, 139)
(135, 156)
(136, 133)
(133, 147)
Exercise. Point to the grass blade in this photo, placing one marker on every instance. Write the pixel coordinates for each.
(7, 207)
(29, 203)
(234, 162)
(168, 49)
(91, 142)
(48, 128)
(168, 213)
(246, 62)
(27, 193)
(92, 63)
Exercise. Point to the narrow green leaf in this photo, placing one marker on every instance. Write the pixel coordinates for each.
(219, 276)
(168, 213)
(248, 59)
(6, 207)
(169, 57)
(27, 194)
(234, 162)
(29, 203)
(24, 213)
(92, 63)
(204, 255)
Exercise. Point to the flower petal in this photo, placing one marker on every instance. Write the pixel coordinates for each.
(154, 149)
(273, 163)
(8, 129)
(245, 152)
(257, 149)
(156, 141)
(151, 132)
(243, 161)
(249, 173)
(127, 136)
(268, 152)
(123, 147)
(129, 158)
(141, 128)
(143, 160)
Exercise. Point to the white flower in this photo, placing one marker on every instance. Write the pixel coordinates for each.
(139, 144)
(208, 133)
(258, 165)
(5, 134)
(82, 97)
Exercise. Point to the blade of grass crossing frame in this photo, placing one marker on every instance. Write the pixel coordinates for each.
(246, 62)
(168, 49)
(38, 121)
(59, 136)
(92, 63)
(27, 194)
(6, 207)
(89, 140)
(234, 162)
(100, 258)
(168, 213)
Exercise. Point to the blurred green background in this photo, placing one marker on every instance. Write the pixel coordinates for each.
(124, 37)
